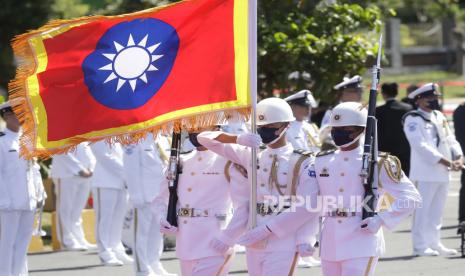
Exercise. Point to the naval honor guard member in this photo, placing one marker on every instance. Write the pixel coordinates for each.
(279, 177)
(21, 193)
(348, 244)
(204, 207)
(434, 153)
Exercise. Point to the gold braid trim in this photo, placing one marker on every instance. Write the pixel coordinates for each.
(295, 174)
(312, 141)
(162, 153)
(273, 179)
(226, 170)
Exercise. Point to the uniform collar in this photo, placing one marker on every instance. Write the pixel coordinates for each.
(283, 149)
(426, 114)
(356, 151)
(12, 134)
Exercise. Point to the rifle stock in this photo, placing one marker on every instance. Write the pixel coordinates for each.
(173, 178)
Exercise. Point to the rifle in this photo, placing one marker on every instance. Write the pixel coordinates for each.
(369, 172)
(173, 178)
(461, 230)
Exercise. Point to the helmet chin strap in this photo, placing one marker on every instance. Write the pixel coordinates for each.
(280, 135)
(352, 142)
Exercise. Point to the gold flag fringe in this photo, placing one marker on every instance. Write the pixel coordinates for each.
(22, 106)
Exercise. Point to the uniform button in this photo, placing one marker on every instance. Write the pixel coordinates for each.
(192, 173)
(346, 158)
(341, 190)
(342, 174)
(262, 185)
(265, 169)
(339, 221)
(189, 189)
(200, 159)
(185, 222)
(271, 155)
(187, 205)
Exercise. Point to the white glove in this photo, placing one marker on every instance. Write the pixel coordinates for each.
(219, 246)
(305, 250)
(249, 140)
(255, 235)
(373, 224)
(166, 228)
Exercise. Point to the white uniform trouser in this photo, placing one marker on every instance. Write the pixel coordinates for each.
(351, 267)
(15, 234)
(72, 195)
(148, 241)
(271, 263)
(110, 207)
(211, 266)
(427, 221)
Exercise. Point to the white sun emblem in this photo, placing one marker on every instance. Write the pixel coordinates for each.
(130, 63)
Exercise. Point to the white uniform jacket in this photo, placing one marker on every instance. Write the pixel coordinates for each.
(71, 163)
(304, 136)
(202, 186)
(430, 140)
(20, 181)
(242, 156)
(109, 168)
(336, 176)
(144, 167)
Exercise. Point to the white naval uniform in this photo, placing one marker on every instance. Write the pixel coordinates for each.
(304, 136)
(278, 256)
(72, 193)
(203, 186)
(345, 248)
(144, 166)
(110, 197)
(429, 142)
(20, 190)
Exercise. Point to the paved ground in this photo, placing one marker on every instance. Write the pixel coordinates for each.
(398, 260)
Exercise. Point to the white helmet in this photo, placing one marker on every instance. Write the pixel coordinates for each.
(349, 114)
(273, 110)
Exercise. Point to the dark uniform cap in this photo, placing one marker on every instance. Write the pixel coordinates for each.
(303, 97)
(354, 82)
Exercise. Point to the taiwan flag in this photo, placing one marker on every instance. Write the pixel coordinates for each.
(184, 65)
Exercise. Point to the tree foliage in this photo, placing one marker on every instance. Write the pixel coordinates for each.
(326, 41)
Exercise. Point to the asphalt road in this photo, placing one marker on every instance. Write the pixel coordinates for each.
(397, 261)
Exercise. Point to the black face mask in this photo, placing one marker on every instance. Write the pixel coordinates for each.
(341, 137)
(193, 139)
(434, 105)
(268, 134)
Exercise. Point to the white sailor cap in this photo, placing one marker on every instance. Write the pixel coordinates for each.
(425, 90)
(5, 107)
(303, 97)
(354, 82)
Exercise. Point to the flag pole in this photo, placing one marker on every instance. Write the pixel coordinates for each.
(253, 95)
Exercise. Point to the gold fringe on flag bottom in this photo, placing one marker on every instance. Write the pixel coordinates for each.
(21, 103)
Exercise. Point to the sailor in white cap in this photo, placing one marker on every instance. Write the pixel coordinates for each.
(302, 134)
(350, 90)
(335, 192)
(434, 153)
(21, 193)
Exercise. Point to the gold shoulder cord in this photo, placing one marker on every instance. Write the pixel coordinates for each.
(273, 179)
(162, 153)
(227, 174)
(312, 141)
(295, 174)
(446, 127)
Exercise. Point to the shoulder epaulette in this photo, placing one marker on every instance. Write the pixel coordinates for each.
(2, 134)
(414, 113)
(325, 152)
(303, 152)
(383, 154)
(186, 152)
(262, 147)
